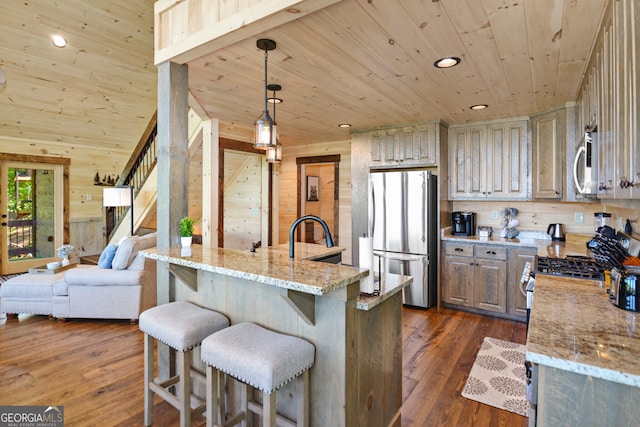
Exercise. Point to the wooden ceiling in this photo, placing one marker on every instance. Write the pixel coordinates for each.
(364, 62)
(99, 91)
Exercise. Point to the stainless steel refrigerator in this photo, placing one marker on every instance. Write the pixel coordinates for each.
(403, 224)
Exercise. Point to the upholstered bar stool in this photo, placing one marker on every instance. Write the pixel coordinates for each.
(182, 326)
(262, 359)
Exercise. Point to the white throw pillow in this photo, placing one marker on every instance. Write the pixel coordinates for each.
(121, 260)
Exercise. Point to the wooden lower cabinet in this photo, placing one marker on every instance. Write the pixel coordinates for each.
(516, 297)
(475, 276)
(485, 277)
(458, 280)
(491, 285)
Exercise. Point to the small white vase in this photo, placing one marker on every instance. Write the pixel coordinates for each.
(186, 241)
(65, 260)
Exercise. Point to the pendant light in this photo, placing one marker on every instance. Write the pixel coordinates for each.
(274, 154)
(265, 126)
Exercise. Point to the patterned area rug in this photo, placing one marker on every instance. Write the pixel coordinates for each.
(498, 376)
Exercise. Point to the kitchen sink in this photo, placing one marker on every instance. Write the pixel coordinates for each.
(331, 259)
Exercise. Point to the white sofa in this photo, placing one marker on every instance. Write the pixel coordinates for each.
(120, 292)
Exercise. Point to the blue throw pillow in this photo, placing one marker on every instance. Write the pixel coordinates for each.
(106, 257)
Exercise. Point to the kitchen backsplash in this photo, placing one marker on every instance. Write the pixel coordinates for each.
(536, 216)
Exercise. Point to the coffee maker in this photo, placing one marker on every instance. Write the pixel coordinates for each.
(463, 223)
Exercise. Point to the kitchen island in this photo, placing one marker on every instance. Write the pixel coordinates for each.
(357, 376)
(586, 355)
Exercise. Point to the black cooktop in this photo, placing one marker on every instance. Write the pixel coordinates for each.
(581, 267)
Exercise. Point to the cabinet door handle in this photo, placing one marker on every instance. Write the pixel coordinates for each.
(459, 250)
(491, 253)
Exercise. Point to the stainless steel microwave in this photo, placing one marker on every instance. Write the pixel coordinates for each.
(585, 165)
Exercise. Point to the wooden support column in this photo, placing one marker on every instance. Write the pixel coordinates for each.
(173, 179)
(210, 187)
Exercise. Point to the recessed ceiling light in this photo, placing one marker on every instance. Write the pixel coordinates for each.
(58, 41)
(448, 62)
(479, 106)
(344, 125)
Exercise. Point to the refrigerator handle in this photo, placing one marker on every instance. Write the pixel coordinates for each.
(372, 209)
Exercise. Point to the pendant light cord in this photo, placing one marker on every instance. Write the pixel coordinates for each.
(266, 110)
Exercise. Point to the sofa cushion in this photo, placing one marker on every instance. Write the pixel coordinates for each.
(128, 250)
(106, 257)
(30, 285)
(102, 277)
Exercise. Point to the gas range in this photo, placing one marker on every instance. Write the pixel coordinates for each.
(579, 267)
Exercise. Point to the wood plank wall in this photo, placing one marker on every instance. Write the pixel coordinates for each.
(288, 189)
(537, 215)
(86, 214)
(325, 204)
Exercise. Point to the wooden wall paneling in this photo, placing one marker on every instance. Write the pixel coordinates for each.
(88, 235)
(227, 144)
(325, 206)
(534, 216)
(243, 193)
(289, 189)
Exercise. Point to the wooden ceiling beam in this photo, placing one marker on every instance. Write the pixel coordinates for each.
(188, 30)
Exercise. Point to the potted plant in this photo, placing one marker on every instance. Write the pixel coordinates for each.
(186, 231)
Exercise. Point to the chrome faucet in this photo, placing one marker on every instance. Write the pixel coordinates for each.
(324, 225)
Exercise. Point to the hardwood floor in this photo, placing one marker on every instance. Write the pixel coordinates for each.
(94, 369)
(438, 352)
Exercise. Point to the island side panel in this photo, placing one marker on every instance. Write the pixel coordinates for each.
(330, 383)
(570, 399)
(380, 363)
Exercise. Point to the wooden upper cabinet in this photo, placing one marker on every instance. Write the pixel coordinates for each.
(508, 160)
(547, 130)
(606, 150)
(609, 98)
(414, 145)
(465, 149)
(626, 98)
(489, 161)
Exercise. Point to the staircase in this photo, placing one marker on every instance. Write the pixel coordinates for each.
(141, 173)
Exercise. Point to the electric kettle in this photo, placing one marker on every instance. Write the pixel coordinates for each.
(556, 231)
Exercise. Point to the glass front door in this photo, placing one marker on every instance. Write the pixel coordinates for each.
(31, 210)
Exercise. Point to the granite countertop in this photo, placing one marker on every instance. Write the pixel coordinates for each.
(576, 328)
(310, 251)
(390, 285)
(526, 239)
(272, 266)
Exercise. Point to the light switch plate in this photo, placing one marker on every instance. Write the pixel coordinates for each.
(579, 217)
(494, 214)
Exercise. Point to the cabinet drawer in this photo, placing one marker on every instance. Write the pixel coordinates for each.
(458, 249)
(491, 252)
